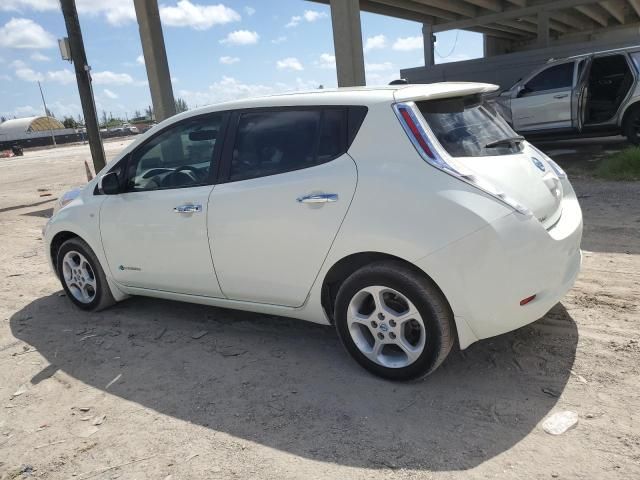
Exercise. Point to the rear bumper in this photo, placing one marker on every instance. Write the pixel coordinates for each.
(486, 274)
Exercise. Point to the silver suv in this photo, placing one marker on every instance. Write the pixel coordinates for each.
(596, 94)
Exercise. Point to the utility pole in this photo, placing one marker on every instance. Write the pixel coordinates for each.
(46, 113)
(83, 77)
(155, 58)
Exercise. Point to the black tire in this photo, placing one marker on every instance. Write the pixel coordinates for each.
(427, 298)
(631, 126)
(103, 297)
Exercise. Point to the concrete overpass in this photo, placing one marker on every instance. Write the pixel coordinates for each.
(508, 25)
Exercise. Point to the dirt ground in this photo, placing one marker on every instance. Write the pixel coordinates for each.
(138, 392)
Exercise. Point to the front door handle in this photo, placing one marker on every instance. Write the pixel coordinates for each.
(561, 95)
(188, 208)
(318, 198)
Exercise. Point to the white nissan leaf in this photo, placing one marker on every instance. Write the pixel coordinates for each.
(409, 217)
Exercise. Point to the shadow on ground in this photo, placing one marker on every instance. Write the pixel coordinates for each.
(288, 385)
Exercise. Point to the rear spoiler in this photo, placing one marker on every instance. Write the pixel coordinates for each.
(433, 91)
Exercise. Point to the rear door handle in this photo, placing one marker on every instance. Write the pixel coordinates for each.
(318, 198)
(562, 95)
(188, 208)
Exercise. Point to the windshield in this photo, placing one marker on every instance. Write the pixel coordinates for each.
(469, 127)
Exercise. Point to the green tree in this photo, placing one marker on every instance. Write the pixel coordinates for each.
(69, 122)
(181, 105)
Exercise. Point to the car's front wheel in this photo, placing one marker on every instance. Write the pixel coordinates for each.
(82, 277)
(394, 321)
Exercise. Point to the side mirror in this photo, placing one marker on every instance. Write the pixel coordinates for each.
(109, 184)
(522, 91)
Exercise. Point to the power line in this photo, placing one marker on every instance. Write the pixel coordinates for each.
(455, 44)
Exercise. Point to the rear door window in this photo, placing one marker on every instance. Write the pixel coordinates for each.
(279, 141)
(469, 127)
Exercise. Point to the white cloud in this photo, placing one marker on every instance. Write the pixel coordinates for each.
(289, 63)
(29, 75)
(199, 17)
(279, 40)
(327, 61)
(376, 42)
(38, 5)
(379, 67)
(406, 44)
(120, 12)
(116, 12)
(229, 60)
(64, 109)
(24, 111)
(308, 16)
(63, 77)
(108, 93)
(231, 89)
(25, 33)
(249, 10)
(18, 64)
(38, 57)
(294, 22)
(23, 72)
(111, 78)
(241, 37)
(313, 15)
(4, 76)
(140, 59)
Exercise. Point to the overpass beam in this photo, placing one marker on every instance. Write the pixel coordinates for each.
(543, 29)
(429, 40)
(155, 58)
(347, 42)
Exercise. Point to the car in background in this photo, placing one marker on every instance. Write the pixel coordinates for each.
(410, 217)
(596, 94)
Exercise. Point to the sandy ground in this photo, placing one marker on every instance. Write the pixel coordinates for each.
(131, 393)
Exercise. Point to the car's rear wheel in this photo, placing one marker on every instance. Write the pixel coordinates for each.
(394, 321)
(82, 277)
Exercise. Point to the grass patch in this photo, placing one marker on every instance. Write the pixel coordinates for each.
(624, 165)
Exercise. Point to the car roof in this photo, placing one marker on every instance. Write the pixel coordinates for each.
(351, 96)
(600, 52)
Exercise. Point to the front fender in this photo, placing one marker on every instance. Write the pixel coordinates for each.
(81, 217)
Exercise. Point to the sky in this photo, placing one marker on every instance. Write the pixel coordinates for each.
(216, 52)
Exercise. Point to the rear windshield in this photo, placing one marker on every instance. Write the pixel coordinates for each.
(469, 127)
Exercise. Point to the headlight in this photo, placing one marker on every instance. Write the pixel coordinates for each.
(68, 197)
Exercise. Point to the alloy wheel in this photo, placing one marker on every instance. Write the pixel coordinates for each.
(79, 277)
(386, 326)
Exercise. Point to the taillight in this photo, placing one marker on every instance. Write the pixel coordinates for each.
(524, 301)
(416, 132)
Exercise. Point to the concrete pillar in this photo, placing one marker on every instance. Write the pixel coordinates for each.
(496, 46)
(347, 42)
(543, 29)
(429, 40)
(155, 58)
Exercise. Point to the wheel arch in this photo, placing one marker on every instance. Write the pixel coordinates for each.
(343, 268)
(55, 244)
(627, 110)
